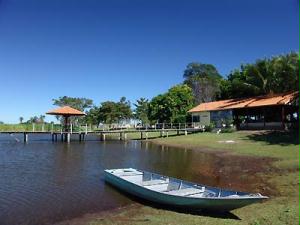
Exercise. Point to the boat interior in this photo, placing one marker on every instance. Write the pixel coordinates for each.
(173, 186)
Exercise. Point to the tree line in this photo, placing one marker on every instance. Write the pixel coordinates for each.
(201, 83)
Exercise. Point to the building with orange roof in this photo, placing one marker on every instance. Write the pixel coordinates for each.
(261, 112)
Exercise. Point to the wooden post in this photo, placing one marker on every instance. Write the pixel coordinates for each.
(167, 134)
(25, 137)
(68, 137)
(141, 135)
(52, 137)
(86, 128)
(61, 136)
(282, 117)
(125, 136)
(185, 132)
(71, 128)
(120, 138)
(55, 137)
(79, 137)
(146, 134)
(264, 110)
(160, 134)
(102, 137)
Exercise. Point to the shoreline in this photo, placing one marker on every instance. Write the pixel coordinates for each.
(96, 216)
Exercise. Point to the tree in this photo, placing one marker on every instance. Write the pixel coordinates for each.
(142, 110)
(110, 112)
(81, 104)
(21, 119)
(78, 103)
(42, 118)
(33, 119)
(92, 116)
(204, 80)
(266, 76)
(124, 109)
(172, 106)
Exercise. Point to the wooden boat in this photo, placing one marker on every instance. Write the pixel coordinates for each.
(178, 193)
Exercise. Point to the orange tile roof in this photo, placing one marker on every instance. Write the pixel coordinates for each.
(267, 100)
(66, 111)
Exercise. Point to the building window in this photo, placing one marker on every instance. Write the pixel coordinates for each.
(219, 117)
(196, 118)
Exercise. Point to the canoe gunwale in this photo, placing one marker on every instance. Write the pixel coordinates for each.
(257, 196)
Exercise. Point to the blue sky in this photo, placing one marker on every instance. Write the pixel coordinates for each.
(135, 48)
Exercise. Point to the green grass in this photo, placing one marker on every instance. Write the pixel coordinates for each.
(282, 208)
(280, 145)
(29, 127)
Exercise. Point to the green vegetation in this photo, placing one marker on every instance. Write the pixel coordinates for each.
(171, 106)
(77, 103)
(142, 110)
(278, 74)
(281, 208)
(204, 79)
(30, 127)
(110, 112)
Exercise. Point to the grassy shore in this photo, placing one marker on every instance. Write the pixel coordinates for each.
(281, 208)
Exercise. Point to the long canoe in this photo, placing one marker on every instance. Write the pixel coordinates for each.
(178, 193)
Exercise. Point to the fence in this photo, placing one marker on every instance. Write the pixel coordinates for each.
(50, 127)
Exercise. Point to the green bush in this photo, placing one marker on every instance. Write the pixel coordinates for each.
(210, 127)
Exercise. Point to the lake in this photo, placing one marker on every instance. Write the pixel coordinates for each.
(43, 182)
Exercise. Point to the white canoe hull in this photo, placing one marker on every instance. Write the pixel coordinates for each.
(209, 203)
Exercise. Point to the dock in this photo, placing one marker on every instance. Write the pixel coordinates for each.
(121, 134)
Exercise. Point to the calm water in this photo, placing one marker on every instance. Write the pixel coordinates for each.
(43, 182)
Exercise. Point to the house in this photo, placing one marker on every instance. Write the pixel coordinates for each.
(277, 111)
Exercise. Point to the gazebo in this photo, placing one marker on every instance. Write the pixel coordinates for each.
(66, 112)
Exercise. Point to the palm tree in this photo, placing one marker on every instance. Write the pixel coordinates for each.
(21, 119)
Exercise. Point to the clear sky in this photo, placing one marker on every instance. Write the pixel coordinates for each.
(105, 49)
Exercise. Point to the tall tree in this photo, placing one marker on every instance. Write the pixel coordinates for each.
(21, 119)
(266, 76)
(172, 106)
(77, 103)
(33, 119)
(81, 104)
(110, 112)
(124, 109)
(93, 116)
(142, 110)
(204, 79)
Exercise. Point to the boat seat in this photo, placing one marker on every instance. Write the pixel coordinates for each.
(186, 191)
(124, 174)
(154, 182)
